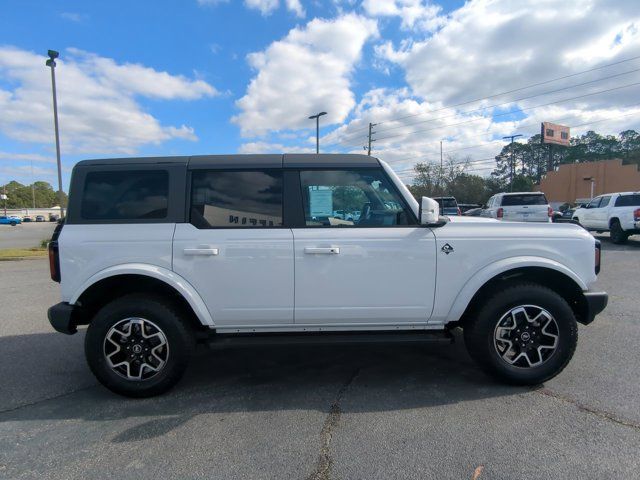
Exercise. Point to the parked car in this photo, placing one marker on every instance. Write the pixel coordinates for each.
(226, 249)
(13, 221)
(565, 216)
(519, 207)
(40, 218)
(467, 206)
(26, 219)
(616, 213)
(473, 212)
(448, 206)
(53, 217)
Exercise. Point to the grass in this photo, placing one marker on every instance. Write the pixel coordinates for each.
(20, 253)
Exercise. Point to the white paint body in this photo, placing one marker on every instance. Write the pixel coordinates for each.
(309, 279)
(600, 218)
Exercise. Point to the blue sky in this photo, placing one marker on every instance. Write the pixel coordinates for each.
(216, 76)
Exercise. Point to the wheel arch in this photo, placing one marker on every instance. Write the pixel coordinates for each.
(614, 219)
(120, 280)
(547, 273)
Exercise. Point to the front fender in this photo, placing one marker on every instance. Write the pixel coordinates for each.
(167, 276)
(492, 270)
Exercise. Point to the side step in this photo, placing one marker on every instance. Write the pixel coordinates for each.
(327, 338)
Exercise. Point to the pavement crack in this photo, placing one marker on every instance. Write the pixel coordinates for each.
(42, 400)
(323, 465)
(612, 417)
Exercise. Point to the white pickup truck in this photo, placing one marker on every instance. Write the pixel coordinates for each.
(617, 213)
(159, 253)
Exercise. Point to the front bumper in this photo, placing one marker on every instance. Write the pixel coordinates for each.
(595, 303)
(61, 318)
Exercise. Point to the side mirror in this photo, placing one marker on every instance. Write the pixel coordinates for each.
(429, 211)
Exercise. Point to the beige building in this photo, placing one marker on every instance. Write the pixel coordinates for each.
(572, 182)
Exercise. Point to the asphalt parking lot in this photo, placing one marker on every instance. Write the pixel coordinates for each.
(25, 235)
(374, 412)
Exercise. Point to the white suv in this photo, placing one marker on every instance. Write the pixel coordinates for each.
(616, 213)
(519, 207)
(156, 254)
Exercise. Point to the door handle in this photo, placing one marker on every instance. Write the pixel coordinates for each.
(322, 250)
(200, 251)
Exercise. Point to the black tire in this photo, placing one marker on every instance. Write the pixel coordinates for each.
(160, 314)
(618, 235)
(479, 334)
(13, 224)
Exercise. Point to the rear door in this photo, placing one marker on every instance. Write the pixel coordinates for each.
(587, 216)
(525, 207)
(378, 270)
(235, 250)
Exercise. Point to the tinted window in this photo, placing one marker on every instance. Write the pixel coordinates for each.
(594, 203)
(447, 202)
(125, 195)
(240, 199)
(628, 200)
(351, 198)
(524, 199)
(605, 201)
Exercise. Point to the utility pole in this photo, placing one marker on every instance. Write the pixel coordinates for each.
(33, 187)
(4, 195)
(440, 176)
(371, 132)
(512, 137)
(51, 62)
(317, 119)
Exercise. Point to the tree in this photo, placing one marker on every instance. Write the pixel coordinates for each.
(21, 196)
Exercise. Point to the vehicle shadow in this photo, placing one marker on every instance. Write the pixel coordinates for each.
(632, 243)
(355, 378)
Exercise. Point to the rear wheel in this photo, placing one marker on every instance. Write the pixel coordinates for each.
(138, 345)
(618, 235)
(525, 334)
(13, 224)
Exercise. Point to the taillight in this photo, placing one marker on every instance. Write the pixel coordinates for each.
(636, 215)
(54, 253)
(500, 213)
(550, 211)
(54, 261)
(598, 248)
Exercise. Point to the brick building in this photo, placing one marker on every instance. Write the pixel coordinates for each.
(568, 184)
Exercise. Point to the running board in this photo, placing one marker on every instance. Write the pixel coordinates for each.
(325, 338)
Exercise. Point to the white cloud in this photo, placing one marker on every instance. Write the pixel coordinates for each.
(26, 157)
(267, 7)
(74, 17)
(268, 147)
(98, 109)
(415, 14)
(306, 72)
(296, 7)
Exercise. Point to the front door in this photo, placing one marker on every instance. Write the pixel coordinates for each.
(235, 251)
(376, 267)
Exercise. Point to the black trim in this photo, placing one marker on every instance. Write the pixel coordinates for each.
(60, 317)
(235, 162)
(293, 205)
(599, 257)
(596, 303)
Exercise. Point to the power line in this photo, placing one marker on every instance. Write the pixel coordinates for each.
(510, 112)
(513, 101)
(364, 128)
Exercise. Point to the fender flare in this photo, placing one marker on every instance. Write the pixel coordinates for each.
(488, 272)
(172, 279)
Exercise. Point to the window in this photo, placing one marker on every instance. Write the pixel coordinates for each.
(125, 195)
(594, 203)
(549, 132)
(523, 199)
(628, 200)
(604, 201)
(352, 198)
(236, 199)
(564, 135)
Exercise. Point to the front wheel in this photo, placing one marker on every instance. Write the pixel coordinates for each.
(138, 345)
(524, 334)
(13, 224)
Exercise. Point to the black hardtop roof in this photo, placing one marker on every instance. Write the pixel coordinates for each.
(301, 160)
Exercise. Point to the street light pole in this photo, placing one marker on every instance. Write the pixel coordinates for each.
(51, 62)
(317, 118)
(512, 137)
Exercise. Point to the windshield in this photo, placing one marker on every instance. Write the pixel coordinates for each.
(524, 199)
(628, 200)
